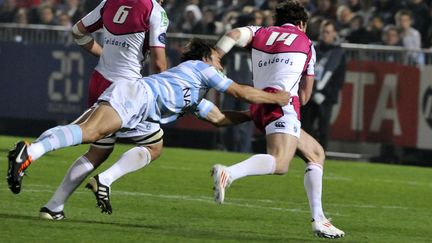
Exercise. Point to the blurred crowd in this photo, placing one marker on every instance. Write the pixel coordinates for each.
(390, 22)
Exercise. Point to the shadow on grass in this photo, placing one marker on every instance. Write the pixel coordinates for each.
(171, 230)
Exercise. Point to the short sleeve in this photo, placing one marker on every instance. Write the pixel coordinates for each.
(93, 20)
(203, 108)
(216, 79)
(254, 29)
(158, 26)
(310, 66)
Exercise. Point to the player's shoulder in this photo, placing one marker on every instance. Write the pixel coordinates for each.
(156, 7)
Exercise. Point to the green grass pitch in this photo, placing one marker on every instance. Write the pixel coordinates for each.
(171, 201)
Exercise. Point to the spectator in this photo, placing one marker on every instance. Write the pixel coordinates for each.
(344, 16)
(64, 36)
(270, 5)
(330, 71)
(386, 9)
(390, 37)
(21, 16)
(358, 33)
(8, 11)
(325, 9)
(308, 5)
(268, 18)
(175, 16)
(229, 19)
(64, 19)
(411, 38)
(375, 29)
(367, 11)
(259, 3)
(248, 9)
(46, 16)
(208, 24)
(421, 18)
(73, 9)
(354, 5)
(191, 18)
(34, 13)
(224, 7)
(313, 28)
(428, 35)
(258, 18)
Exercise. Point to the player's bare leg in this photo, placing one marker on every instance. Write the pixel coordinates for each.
(313, 154)
(282, 146)
(132, 160)
(103, 121)
(275, 162)
(76, 174)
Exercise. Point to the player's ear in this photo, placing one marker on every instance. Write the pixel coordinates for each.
(303, 26)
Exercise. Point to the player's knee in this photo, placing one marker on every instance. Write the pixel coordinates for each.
(155, 150)
(281, 167)
(319, 155)
(90, 134)
(97, 156)
(281, 171)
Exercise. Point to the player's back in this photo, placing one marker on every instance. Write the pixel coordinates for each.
(280, 55)
(126, 25)
(181, 88)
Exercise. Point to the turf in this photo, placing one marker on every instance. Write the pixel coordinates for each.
(171, 201)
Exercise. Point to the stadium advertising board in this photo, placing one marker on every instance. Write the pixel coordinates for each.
(383, 102)
(44, 82)
(380, 102)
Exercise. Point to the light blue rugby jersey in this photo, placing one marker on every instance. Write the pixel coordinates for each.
(181, 89)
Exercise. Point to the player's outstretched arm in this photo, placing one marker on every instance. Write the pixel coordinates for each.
(256, 96)
(85, 40)
(226, 118)
(236, 37)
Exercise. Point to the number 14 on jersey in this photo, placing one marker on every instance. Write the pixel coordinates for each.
(287, 38)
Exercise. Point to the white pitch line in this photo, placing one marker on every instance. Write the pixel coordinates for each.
(299, 174)
(232, 201)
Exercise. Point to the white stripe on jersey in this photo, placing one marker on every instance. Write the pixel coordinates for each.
(180, 89)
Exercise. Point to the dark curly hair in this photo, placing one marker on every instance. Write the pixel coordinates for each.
(197, 49)
(290, 11)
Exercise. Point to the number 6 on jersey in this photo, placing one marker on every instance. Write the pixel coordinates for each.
(121, 14)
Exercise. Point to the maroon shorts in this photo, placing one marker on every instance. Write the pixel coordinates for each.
(98, 84)
(263, 114)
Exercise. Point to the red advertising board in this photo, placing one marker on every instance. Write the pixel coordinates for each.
(379, 104)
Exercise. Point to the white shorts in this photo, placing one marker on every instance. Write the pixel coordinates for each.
(288, 123)
(146, 133)
(271, 118)
(130, 99)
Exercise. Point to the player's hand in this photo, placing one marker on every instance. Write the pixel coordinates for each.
(282, 98)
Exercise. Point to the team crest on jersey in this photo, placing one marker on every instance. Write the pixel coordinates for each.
(164, 19)
(162, 38)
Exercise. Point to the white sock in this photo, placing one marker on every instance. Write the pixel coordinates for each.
(313, 185)
(259, 164)
(55, 138)
(134, 159)
(76, 174)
